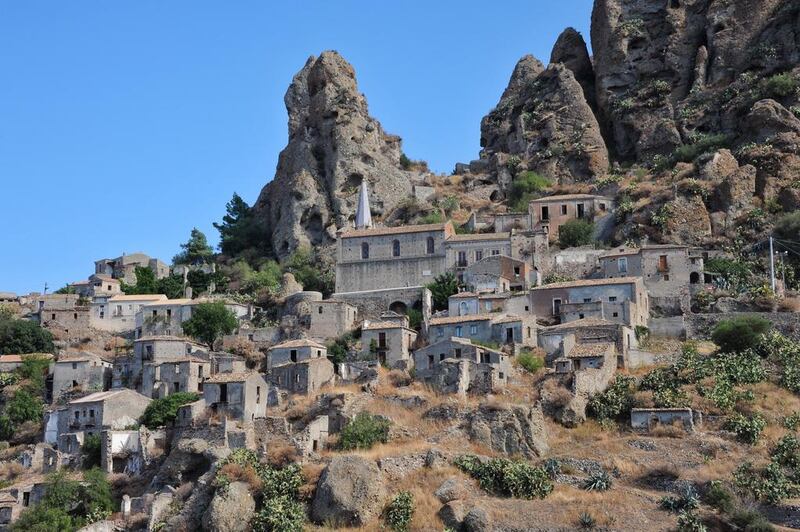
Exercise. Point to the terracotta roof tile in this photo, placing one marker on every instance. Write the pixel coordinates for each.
(590, 350)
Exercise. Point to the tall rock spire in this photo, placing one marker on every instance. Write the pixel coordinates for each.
(363, 215)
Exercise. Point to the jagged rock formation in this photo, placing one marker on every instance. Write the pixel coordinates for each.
(230, 510)
(350, 492)
(570, 50)
(334, 144)
(544, 120)
(512, 430)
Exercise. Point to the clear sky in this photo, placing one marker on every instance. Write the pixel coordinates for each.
(125, 124)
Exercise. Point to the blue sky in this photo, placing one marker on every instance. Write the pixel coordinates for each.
(125, 124)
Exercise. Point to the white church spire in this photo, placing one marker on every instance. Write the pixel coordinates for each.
(363, 215)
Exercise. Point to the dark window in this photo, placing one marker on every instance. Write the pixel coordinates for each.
(382, 340)
(458, 353)
(462, 259)
(293, 355)
(564, 210)
(430, 361)
(319, 310)
(223, 392)
(441, 356)
(611, 299)
(587, 299)
(169, 313)
(395, 248)
(364, 250)
(580, 209)
(545, 213)
(615, 314)
(430, 245)
(478, 255)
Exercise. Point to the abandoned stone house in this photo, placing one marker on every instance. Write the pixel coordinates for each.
(80, 372)
(258, 337)
(15, 499)
(239, 396)
(10, 363)
(222, 362)
(466, 303)
(669, 272)
(389, 342)
(557, 341)
(66, 315)
(185, 374)
(166, 316)
(97, 285)
(622, 300)
(331, 318)
(456, 365)
(551, 212)
(124, 267)
(128, 451)
(295, 351)
(118, 313)
(114, 409)
(650, 418)
(585, 355)
(304, 376)
(152, 349)
(467, 249)
(495, 328)
(497, 273)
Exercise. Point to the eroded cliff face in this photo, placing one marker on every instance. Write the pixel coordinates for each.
(333, 145)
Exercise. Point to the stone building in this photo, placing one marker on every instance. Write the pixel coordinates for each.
(668, 271)
(558, 341)
(306, 376)
(114, 409)
(153, 349)
(332, 318)
(551, 212)
(98, 285)
(80, 372)
(622, 300)
(185, 374)
(391, 257)
(118, 313)
(496, 328)
(498, 273)
(66, 315)
(240, 396)
(166, 316)
(456, 365)
(465, 250)
(128, 451)
(124, 267)
(294, 351)
(467, 303)
(388, 341)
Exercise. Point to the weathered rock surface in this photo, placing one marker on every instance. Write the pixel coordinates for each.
(334, 144)
(544, 120)
(230, 510)
(513, 430)
(570, 49)
(350, 492)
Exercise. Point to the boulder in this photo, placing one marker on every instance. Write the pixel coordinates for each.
(350, 492)
(453, 489)
(231, 509)
(512, 430)
(478, 520)
(453, 513)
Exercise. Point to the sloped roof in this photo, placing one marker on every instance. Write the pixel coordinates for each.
(461, 319)
(138, 297)
(103, 396)
(588, 282)
(403, 229)
(591, 350)
(479, 237)
(238, 376)
(303, 342)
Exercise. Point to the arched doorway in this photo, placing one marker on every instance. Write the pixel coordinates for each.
(399, 307)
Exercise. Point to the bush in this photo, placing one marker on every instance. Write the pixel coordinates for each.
(524, 188)
(598, 481)
(575, 233)
(781, 85)
(688, 500)
(750, 521)
(91, 451)
(34, 369)
(689, 522)
(586, 521)
(530, 362)
(162, 411)
(364, 431)
(400, 511)
(24, 407)
(209, 322)
(280, 514)
(738, 334)
(700, 145)
(615, 402)
(311, 270)
(23, 336)
(770, 484)
(442, 287)
(720, 497)
(501, 476)
(747, 429)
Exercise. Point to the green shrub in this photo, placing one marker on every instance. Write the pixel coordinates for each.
(279, 514)
(720, 497)
(23, 336)
(586, 521)
(24, 407)
(598, 481)
(781, 85)
(750, 521)
(615, 402)
(530, 362)
(770, 484)
(554, 277)
(524, 188)
(433, 217)
(703, 143)
(210, 321)
(575, 233)
(442, 287)
(792, 421)
(740, 333)
(787, 452)
(688, 500)
(91, 451)
(400, 511)
(162, 411)
(747, 429)
(689, 522)
(501, 476)
(7, 428)
(364, 431)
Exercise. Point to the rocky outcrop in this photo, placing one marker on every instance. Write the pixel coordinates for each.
(230, 510)
(512, 430)
(350, 492)
(570, 50)
(544, 121)
(334, 144)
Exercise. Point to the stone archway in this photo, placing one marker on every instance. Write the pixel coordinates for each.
(399, 307)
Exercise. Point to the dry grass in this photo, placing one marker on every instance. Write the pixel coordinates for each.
(280, 454)
(422, 484)
(789, 304)
(311, 474)
(236, 472)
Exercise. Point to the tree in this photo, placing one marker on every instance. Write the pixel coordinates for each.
(7, 313)
(22, 336)
(209, 321)
(788, 226)
(24, 407)
(575, 233)
(737, 334)
(91, 451)
(163, 411)
(240, 230)
(442, 287)
(34, 369)
(311, 271)
(146, 283)
(195, 251)
(525, 187)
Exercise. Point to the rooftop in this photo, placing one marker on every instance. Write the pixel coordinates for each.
(239, 376)
(303, 342)
(102, 396)
(463, 295)
(138, 297)
(586, 322)
(479, 236)
(381, 231)
(462, 319)
(567, 197)
(590, 350)
(383, 325)
(588, 282)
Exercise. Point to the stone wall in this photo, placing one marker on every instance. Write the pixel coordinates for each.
(372, 303)
(701, 325)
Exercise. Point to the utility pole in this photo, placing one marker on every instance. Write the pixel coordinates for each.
(772, 265)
